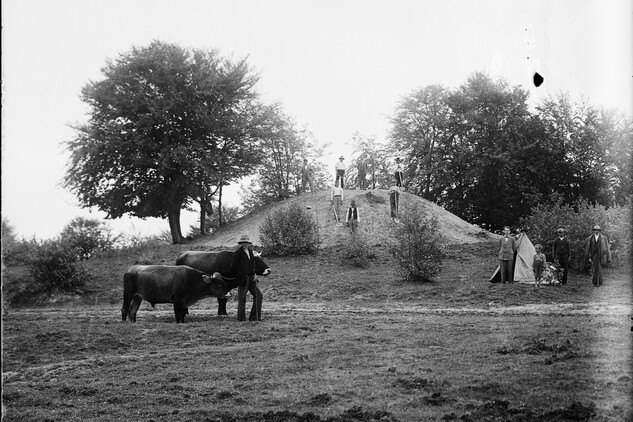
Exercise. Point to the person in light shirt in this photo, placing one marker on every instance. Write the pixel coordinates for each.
(398, 172)
(507, 248)
(340, 171)
(336, 199)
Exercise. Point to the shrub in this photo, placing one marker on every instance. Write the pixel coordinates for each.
(291, 231)
(419, 249)
(19, 252)
(88, 236)
(54, 266)
(356, 252)
(545, 218)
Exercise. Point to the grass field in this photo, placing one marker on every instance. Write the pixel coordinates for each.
(337, 343)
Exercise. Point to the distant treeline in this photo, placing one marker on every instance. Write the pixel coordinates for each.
(481, 153)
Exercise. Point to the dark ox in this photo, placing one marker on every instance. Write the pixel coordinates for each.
(218, 262)
(181, 285)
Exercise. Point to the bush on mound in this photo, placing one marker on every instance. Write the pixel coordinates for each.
(419, 248)
(291, 231)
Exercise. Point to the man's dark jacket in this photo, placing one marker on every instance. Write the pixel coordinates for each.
(242, 266)
(561, 246)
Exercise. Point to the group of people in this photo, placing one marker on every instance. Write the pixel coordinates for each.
(597, 253)
(352, 215)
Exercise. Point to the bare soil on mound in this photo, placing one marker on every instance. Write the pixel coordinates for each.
(374, 209)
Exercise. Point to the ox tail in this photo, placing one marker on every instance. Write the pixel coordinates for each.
(129, 290)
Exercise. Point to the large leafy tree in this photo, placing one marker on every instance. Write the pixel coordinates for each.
(283, 147)
(374, 158)
(595, 150)
(167, 126)
(421, 132)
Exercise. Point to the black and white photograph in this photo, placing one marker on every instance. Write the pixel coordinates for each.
(317, 211)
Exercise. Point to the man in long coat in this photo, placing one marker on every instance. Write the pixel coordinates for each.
(598, 253)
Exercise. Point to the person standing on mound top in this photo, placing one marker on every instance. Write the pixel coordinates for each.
(243, 270)
(598, 253)
(306, 178)
(398, 172)
(507, 248)
(340, 171)
(561, 251)
(337, 201)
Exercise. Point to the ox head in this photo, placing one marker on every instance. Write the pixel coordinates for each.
(261, 268)
(217, 285)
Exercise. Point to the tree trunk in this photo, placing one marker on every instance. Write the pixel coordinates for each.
(174, 225)
(203, 214)
(220, 206)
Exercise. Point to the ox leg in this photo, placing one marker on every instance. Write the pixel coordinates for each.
(180, 311)
(222, 306)
(125, 310)
(136, 303)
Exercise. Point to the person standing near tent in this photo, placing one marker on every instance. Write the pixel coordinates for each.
(561, 251)
(507, 248)
(539, 264)
(340, 171)
(352, 218)
(337, 200)
(598, 253)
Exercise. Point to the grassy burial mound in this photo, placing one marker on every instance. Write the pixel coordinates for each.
(374, 212)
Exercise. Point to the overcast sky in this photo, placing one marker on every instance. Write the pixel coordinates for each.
(338, 67)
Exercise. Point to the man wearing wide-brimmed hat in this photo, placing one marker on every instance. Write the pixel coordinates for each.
(561, 252)
(243, 269)
(340, 171)
(598, 254)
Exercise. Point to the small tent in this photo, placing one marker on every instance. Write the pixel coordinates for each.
(523, 260)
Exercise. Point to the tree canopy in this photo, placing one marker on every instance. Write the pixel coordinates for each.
(167, 126)
(482, 154)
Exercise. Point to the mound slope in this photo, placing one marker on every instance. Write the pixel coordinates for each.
(375, 220)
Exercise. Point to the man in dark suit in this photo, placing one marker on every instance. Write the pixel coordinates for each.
(243, 269)
(507, 248)
(561, 252)
(598, 253)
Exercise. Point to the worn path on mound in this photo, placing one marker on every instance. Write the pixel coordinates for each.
(376, 222)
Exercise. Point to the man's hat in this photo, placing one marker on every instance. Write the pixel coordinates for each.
(341, 158)
(560, 229)
(244, 239)
(596, 227)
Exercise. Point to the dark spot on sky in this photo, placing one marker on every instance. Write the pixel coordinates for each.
(538, 79)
